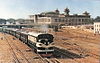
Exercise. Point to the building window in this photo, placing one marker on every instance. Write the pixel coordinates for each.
(59, 20)
(55, 20)
(97, 25)
(48, 20)
(79, 20)
(82, 20)
(66, 20)
(69, 23)
(62, 20)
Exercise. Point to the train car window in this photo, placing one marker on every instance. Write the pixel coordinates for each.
(47, 36)
(50, 48)
(49, 52)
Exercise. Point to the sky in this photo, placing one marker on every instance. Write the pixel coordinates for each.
(23, 8)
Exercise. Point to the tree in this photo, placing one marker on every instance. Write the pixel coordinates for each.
(97, 19)
(2, 21)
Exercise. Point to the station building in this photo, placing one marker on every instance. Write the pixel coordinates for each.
(97, 27)
(57, 18)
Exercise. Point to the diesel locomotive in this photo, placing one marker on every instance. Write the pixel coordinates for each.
(41, 43)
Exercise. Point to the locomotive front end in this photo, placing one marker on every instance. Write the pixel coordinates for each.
(45, 47)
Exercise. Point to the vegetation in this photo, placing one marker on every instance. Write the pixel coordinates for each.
(97, 19)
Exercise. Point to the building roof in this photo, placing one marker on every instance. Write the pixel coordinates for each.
(51, 12)
(86, 13)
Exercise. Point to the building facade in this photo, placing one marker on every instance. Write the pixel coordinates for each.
(56, 18)
(19, 21)
(97, 27)
(24, 21)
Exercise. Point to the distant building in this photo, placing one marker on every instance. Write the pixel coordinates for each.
(24, 21)
(2, 21)
(56, 18)
(97, 27)
(19, 21)
(10, 21)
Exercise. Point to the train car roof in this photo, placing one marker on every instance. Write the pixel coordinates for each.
(34, 34)
(13, 29)
(24, 33)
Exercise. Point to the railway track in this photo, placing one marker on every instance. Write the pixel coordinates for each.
(42, 60)
(15, 53)
(69, 56)
(55, 60)
(95, 55)
(90, 53)
(48, 60)
(72, 56)
(16, 60)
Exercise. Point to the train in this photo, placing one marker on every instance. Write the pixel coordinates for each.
(41, 43)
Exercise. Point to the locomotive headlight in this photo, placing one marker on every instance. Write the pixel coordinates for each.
(40, 44)
(39, 40)
(46, 39)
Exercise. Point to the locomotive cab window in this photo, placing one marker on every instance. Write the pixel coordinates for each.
(45, 38)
